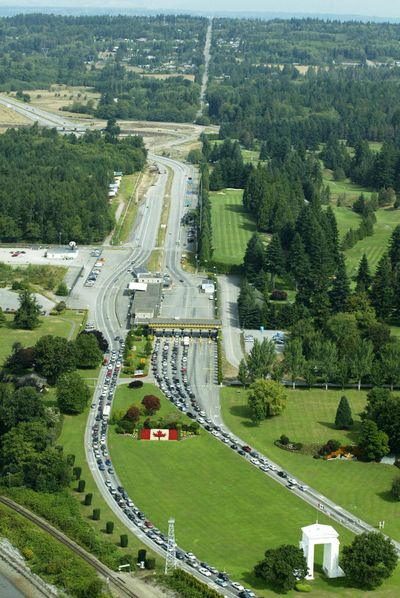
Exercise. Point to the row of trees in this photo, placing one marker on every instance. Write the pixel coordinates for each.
(204, 226)
(349, 347)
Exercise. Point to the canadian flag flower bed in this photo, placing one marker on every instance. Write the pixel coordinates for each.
(159, 434)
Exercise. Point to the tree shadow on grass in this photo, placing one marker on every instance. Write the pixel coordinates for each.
(249, 579)
(386, 495)
(352, 433)
(239, 209)
(339, 583)
(242, 411)
(329, 425)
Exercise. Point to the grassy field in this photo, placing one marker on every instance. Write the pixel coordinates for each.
(232, 226)
(346, 219)
(351, 190)
(10, 117)
(57, 96)
(375, 246)
(72, 440)
(363, 488)
(226, 511)
(68, 323)
(155, 261)
(126, 196)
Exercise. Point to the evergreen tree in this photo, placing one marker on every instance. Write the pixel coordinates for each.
(343, 419)
(298, 263)
(217, 180)
(274, 259)
(373, 441)
(340, 291)
(394, 247)
(363, 277)
(2, 318)
(254, 258)
(382, 295)
(27, 315)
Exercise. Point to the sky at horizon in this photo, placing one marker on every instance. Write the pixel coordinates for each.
(383, 8)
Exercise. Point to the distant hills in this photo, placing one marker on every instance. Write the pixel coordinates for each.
(90, 9)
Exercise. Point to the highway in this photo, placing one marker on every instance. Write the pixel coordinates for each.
(186, 303)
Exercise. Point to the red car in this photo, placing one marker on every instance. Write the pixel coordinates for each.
(246, 448)
(148, 524)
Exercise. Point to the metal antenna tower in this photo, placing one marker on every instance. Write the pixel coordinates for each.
(170, 561)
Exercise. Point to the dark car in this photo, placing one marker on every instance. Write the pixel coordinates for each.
(246, 448)
(282, 474)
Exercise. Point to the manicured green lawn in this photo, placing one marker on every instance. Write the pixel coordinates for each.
(72, 439)
(346, 219)
(125, 397)
(351, 190)
(226, 511)
(363, 488)
(375, 246)
(232, 226)
(64, 325)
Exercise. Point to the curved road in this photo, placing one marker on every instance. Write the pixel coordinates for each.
(107, 319)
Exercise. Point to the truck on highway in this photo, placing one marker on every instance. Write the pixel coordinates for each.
(186, 341)
(106, 411)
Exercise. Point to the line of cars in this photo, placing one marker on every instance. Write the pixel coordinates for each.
(170, 369)
(112, 367)
(118, 492)
(95, 271)
(180, 393)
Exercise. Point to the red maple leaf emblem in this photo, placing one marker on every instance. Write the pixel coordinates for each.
(159, 434)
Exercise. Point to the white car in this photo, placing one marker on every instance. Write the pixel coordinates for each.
(255, 461)
(237, 586)
(205, 572)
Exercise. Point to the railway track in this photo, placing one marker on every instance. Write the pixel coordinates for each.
(107, 573)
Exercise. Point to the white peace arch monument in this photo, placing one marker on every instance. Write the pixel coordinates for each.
(328, 536)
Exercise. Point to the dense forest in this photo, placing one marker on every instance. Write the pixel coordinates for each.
(302, 41)
(51, 184)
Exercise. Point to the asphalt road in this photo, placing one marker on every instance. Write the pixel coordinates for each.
(204, 81)
(107, 319)
(231, 337)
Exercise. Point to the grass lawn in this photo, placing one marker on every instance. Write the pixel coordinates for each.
(375, 246)
(126, 192)
(72, 439)
(226, 511)
(346, 219)
(232, 226)
(363, 488)
(351, 190)
(66, 324)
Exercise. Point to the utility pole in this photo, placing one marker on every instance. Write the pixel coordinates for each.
(170, 561)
